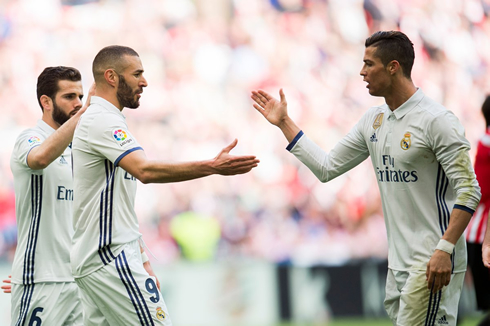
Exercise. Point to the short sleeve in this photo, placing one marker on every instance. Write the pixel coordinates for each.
(26, 141)
(109, 135)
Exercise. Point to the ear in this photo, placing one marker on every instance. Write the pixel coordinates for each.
(111, 77)
(46, 102)
(394, 67)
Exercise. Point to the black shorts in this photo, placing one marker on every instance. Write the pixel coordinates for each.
(480, 274)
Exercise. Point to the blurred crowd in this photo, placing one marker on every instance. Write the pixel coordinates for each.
(202, 58)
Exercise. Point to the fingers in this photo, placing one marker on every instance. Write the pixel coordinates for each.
(228, 148)
(281, 94)
(259, 98)
(486, 256)
(437, 281)
(8, 287)
(239, 165)
(260, 109)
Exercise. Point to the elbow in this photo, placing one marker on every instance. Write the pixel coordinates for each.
(143, 176)
(39, 164)
(144, 180)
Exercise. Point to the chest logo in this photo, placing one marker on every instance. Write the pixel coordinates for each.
(406, 141)
(378, 121)
(160, 313)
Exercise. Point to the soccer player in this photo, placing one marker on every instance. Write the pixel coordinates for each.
(428, 187)
(475, 232)
(109, 264)
(43, 288)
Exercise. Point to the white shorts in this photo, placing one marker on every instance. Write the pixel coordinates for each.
(47, 304)
(123, 293)
(408, 302)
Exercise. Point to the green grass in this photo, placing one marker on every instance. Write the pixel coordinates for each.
(470, 321)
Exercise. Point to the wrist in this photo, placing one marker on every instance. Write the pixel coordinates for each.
(445, 246)
(144, 257)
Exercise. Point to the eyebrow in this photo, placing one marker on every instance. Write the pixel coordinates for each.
(71, 94)
(139, 71)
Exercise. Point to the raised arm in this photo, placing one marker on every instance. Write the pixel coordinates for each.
(43, 155)
(275, 112)
(147, 171)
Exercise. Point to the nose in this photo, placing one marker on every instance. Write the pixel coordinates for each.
(362, 72)
(78, 104)
(143, 82)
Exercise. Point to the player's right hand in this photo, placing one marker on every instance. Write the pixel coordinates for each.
(7, 288)
(273, 110)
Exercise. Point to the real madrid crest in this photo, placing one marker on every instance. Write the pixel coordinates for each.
(406, 141)
(378, 121)
(160, 313)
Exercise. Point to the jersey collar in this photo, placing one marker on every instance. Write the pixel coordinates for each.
(45, 127)
(412, 102)
(105, 104)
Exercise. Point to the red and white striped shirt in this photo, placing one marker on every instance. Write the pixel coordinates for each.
(475, 232)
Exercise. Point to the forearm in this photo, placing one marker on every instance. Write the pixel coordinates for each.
(162, 172)
(458, 222)
(327, 166)
(43, 155)
(289, 128)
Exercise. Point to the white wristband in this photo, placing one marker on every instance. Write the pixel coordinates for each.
(445, 246)
(144, 257)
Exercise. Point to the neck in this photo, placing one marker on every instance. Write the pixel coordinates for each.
(400, 93)
(49, 121)
(110, 96)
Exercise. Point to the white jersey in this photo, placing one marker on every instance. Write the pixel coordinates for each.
(420, 158)
(43, 205)
(104, 217)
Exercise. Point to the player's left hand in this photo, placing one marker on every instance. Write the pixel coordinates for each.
(91, 93)
(150, 271)
(438, 272)
(227, 164)
(7, 288)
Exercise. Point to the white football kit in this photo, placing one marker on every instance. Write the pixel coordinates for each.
(106, 226)
(43, 204)
(420, 158)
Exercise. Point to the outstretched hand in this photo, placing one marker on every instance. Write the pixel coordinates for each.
(273, 110)
(7, 288)
(226, 164)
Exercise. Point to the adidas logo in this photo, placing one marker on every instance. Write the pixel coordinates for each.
(63, 161)
(373, 138)
(442, 321)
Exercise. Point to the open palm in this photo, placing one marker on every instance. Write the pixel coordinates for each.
(273, 110)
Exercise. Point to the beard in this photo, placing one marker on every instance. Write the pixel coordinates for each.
(59, 116)
(125, 95)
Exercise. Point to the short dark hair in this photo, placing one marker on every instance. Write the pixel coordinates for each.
(110, 57)
(393, 45)
(48, 81)
(485, 109)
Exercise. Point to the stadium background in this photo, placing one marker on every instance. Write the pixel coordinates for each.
(274, 244)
